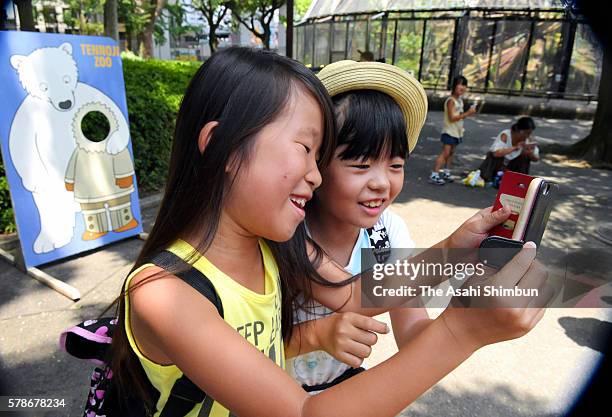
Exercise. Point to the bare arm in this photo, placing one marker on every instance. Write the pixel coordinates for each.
(348, 337)
(358, 397)
(531, 152)
(304, 338)
(171, 320)
(408, 322)
(348, 298)
(169, 316)
(453, 116)
(504, 151)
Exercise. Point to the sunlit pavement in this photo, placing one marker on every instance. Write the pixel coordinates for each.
(542, 373)
(537, 375)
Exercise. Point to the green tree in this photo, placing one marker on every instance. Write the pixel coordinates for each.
(256, 16)
(596, 148)
(213, 11)
(111, 22)
(133, 21)
(142, 22)
(300, 8)
(151, 11)
(83, 15)
(175, 23)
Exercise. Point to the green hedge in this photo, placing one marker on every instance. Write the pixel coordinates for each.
(154, 90)
(7, 221)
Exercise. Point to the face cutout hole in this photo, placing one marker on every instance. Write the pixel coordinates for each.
(95, 126)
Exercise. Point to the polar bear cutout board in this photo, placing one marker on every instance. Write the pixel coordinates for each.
(71, 191)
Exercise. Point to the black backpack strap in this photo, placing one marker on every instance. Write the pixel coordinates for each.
(191, 276)
(184, 394)
(183, 397)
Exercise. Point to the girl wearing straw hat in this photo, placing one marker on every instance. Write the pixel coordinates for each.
(377, 107)
(379, 111)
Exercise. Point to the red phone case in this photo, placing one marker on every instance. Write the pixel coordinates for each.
(512, 192)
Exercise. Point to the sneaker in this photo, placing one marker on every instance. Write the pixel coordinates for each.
(434, 178)
(445, 176)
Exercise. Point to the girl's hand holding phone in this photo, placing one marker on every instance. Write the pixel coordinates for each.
(475, 229)
(348, 337)
(529, 149)
(501, 318)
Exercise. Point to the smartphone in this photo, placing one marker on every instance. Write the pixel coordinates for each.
(496, 251)
(540, 212)
(521, 223)
(530, 145)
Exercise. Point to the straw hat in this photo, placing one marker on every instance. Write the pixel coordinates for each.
(343, 76)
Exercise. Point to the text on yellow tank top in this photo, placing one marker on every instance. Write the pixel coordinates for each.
(257, 317)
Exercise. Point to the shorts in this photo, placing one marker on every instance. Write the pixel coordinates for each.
(450, 140)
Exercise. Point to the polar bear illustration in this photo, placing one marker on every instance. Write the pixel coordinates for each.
(104, 196)
(42, 140)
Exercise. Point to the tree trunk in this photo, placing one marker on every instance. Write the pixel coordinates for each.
(140, 41)
(146, 41)
(596, 148)
(3, 19)
(267, 33)
(82, 22)
(599, 142)
(145, 38)
(213, 42)
(129, 40)
(26, 16)
(289, 32)
(111, 24)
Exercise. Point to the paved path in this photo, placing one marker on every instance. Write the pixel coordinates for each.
(537, 375)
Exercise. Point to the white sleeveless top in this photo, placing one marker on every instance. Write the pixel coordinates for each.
(319, 367)
(454, 129)
(498, 144)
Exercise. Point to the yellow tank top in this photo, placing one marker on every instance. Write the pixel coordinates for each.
(257, 317)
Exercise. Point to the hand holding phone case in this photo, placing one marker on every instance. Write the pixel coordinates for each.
(512, 192)
(496, 251)
(540, 212)
(533, 198)
(528, 203)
